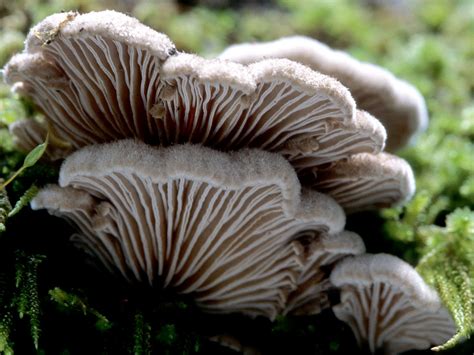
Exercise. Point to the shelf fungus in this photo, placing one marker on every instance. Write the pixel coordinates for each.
(101, 77)
(276, 105)
(320, 253)
(220, 226)
(104, 76)
(397, 104)
(94, 76)
(388, 305)
(364, 181)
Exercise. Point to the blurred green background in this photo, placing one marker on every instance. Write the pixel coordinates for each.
(429, 43)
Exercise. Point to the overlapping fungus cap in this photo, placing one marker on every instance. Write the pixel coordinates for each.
(364, 181)
(96, 82)
(399, 105)
(321, 253)
(276, 105)
(95, 76)
(388, 305)
(220, 226)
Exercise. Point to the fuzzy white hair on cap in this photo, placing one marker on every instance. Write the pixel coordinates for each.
(276, 105)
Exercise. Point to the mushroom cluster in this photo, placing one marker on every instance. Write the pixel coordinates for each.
(103, 76)
(396, 103)
(226, 181)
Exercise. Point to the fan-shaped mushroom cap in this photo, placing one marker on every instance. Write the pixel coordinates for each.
(276, 105)
(321, 252)
(364, 181)
(217, 225)
(258, 106)
(97, 81)
(388, 305)
(399, 105)
(335, 141)
(95, 76)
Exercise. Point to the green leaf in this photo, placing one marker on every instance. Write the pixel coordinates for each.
(30, 160)
(35, 155)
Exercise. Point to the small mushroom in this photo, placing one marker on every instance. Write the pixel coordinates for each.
(217, 225)
(364, 181)
(335, 142)
(388, 305)
(399, 105)
(95, 76)
(321, 252)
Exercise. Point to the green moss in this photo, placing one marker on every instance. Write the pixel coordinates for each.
(447, 263)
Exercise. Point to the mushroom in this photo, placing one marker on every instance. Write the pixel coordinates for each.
(103, 76)
(321, 253)
(95, 76)
(220, 226)
(397, 104)
(96, 84)
(364, 181)
(336, 142)
(388, 305)
(276, 105)
(87, 215)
